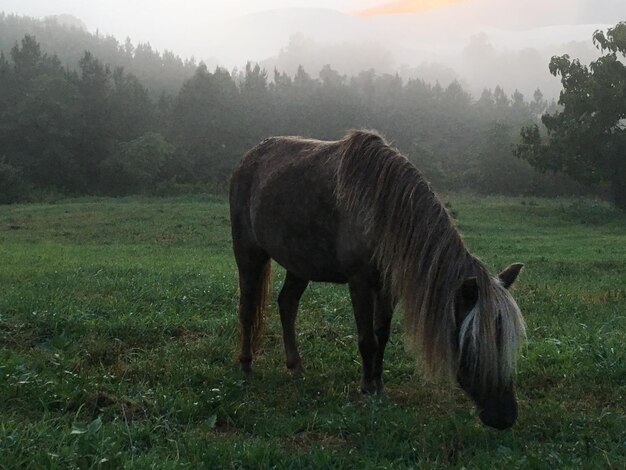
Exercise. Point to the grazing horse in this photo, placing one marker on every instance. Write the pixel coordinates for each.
(356, 211)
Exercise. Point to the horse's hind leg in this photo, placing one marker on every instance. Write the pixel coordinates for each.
(288, 301)
(382, 320)
(254, 273)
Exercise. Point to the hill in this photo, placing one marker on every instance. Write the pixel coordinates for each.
(68, 38)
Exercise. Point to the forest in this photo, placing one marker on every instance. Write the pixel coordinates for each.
(93, 127)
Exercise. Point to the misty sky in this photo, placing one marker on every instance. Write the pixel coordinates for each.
(164, 23)
(158, 21)
(105, 13)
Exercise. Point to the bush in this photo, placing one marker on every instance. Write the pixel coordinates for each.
(136, 165)
(12, 184)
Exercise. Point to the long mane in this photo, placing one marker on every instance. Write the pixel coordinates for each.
(424, 262)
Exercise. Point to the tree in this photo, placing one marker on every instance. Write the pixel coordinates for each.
(36, 116)
(96, 136)
(331, 78)
(132, 112)
(586, 139)
(208, 122)
(11, 183)
(136, 165)
(28, 59)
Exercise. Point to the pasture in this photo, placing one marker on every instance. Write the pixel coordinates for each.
(118, 348)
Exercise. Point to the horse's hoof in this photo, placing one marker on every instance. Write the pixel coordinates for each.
(373, 387)
(297, 372)
(369, 388)
(246, 368)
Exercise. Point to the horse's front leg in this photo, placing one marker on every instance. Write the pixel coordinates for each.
(362, 295)
(382, 323)
(288, 301)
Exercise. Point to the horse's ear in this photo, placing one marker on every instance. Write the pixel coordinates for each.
(510, 273)
(469, 292)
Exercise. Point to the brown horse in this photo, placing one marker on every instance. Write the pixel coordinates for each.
(356, 211)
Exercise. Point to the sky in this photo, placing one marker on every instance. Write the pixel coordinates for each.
(162, 22)
(138, 17)
(186, 10)
(403, 7)
(154, 20)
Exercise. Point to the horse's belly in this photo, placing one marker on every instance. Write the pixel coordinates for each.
(301, 237)
(311, 255)
(312, 268)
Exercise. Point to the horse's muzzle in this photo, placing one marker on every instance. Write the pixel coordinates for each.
(500, 414)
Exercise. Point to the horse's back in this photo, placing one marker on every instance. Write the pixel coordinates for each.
(285, 165)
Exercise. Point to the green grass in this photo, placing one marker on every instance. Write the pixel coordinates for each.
(118, 348)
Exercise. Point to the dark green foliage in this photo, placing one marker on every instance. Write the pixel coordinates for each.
(586, 139)
(206, 124)
(69, 130)
(12, 186)
(38, 115)
(57, 127)
(135, 166)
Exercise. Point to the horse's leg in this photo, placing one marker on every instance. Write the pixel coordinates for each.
(288, 301)
(253, 268)
(382, 320)
(362, 296)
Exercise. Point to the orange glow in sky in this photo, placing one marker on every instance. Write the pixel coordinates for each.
(406, 6)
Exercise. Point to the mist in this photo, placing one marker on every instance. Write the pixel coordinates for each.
(480, 43)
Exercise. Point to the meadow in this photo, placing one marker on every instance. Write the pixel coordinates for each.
(118, 336)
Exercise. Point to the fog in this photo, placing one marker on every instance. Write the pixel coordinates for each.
(481, 43)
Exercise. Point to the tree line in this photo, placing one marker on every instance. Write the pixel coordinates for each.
(95, 129)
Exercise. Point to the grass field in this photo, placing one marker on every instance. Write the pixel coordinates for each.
(118, 335)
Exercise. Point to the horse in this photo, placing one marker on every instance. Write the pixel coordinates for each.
(357, 211)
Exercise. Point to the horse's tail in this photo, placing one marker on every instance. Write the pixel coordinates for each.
(262, 293)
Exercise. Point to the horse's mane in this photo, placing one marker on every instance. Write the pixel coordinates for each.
(424, 261)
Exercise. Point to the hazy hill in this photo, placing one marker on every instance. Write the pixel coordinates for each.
(68, 38)
(69, 21)
(435, 42)
(260, 35)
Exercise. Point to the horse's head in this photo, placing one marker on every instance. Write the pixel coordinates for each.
(489, 329)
